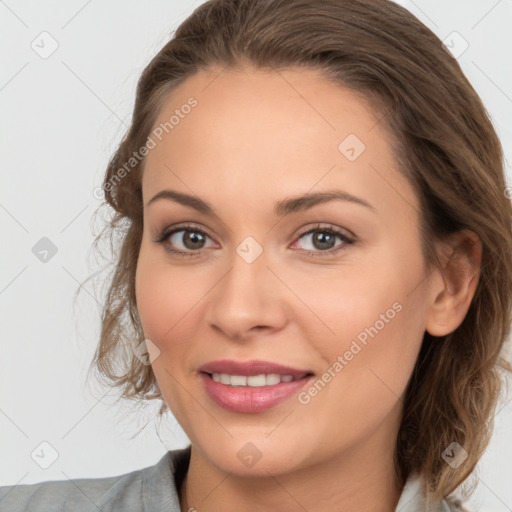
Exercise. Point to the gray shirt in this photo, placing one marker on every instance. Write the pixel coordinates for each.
(151, 489)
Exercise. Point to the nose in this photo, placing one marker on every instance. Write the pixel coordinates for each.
(248, 300)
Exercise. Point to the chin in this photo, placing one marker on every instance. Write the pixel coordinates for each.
(255, 458)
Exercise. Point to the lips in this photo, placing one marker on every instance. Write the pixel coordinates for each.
(248, 398)
(251, 368)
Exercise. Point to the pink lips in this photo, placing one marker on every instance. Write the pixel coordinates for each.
(248, 399)
(250, 368)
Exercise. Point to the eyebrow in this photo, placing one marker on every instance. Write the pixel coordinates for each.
(281, 208)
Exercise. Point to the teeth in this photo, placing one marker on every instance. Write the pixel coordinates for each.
(253, 381)
(273, 379)
(237, 380)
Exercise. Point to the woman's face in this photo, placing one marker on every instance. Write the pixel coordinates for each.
(335, 288)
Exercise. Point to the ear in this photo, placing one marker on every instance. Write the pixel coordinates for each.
(454, 284)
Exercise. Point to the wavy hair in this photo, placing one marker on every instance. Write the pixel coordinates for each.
(445, 146)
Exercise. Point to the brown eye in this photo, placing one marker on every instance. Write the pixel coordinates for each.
(192, 240)
(184, 240)
(322, 240)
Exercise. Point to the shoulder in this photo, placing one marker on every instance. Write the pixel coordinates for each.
(415, 499)
(455, 505)
(152, 487)
(80, 494)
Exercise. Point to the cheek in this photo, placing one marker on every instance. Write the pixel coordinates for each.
(164, 300)
(376, 366)
(164, 295)
(151, 301)
(372, 317)
(367, 365)
(341, 302)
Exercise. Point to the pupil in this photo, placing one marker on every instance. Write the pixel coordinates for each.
(193, 238)
(322, 239)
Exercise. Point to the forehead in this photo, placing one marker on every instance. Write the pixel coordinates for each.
(255, 105)
(255, 132)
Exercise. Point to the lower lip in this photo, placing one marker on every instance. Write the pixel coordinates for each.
(251, 399)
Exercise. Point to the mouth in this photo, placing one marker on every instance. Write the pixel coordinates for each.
(254, 368)
(251, 386)
(254, 381)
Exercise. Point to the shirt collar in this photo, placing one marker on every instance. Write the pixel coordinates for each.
(161, 484)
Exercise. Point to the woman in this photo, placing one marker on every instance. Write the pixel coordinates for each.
(315, 273)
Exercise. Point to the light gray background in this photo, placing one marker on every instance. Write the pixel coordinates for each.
(62, 117)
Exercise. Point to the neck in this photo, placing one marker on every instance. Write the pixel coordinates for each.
(336, 484)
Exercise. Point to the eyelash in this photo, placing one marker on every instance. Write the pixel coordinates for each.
(164, 235)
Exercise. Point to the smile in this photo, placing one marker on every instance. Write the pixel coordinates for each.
(252, 381)
(248, 394)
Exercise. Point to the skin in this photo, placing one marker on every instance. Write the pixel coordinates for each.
(254, 138)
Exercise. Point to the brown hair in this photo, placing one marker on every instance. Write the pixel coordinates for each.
(447, 148)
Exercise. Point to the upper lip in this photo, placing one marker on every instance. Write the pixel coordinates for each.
(248, 368)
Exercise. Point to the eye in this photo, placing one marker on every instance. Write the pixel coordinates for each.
(189, 240)
(184, 240)
(321, 240)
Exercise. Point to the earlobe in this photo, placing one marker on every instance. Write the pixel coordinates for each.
(454, 285)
